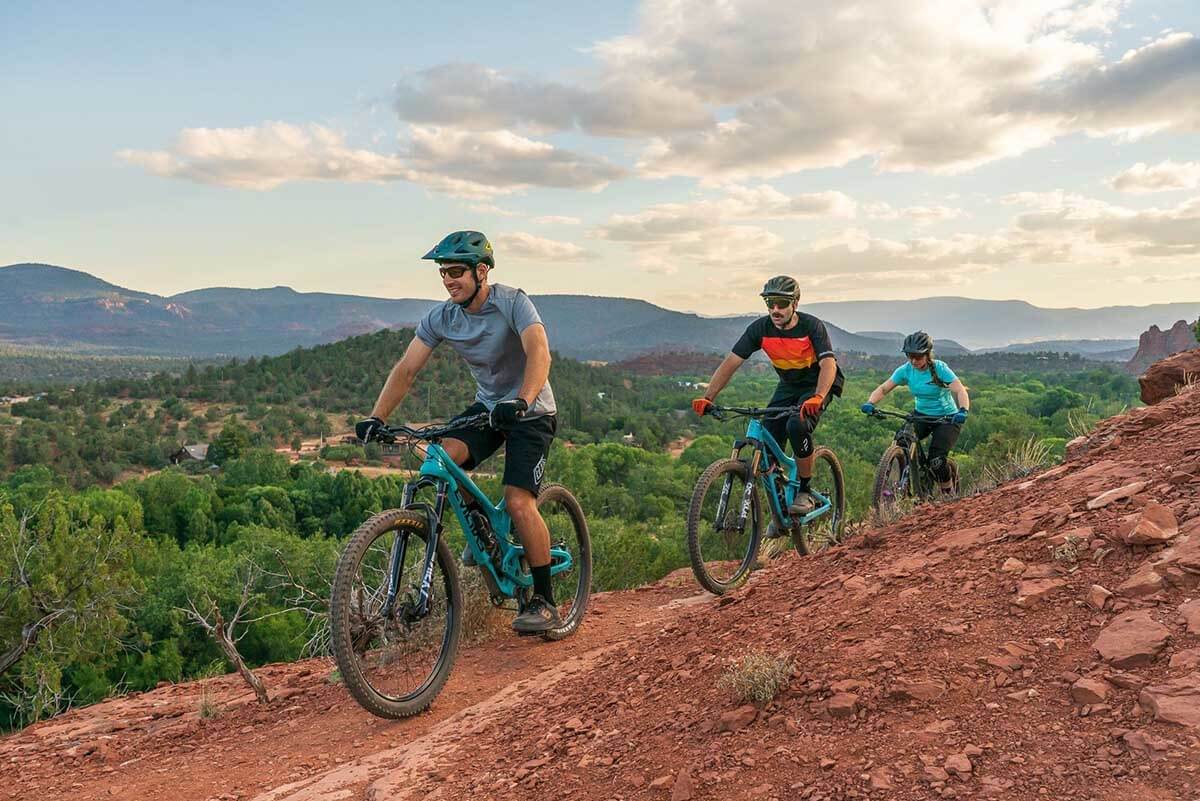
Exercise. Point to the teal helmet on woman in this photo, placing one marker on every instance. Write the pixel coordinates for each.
(468, 247)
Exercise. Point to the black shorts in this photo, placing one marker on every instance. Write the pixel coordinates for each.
(779, 427)
(525, 447)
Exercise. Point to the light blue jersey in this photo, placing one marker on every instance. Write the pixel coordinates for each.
(930, 399)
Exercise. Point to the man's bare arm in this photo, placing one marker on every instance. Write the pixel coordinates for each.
(723, 374)
(537, 362)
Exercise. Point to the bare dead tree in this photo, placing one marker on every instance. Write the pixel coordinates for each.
(306, 600)
(225, 633)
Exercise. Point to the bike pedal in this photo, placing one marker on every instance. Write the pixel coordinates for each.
(529, 633)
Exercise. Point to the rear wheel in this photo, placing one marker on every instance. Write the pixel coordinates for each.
(892, 479)
(722, 545)
(568, 531)
(394, 662)
(828, 482)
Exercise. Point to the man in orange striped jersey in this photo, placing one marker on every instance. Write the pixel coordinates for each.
(798, 346)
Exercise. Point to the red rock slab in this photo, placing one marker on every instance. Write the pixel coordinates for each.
(1132, 639)
(1118, 494)
(1190, 612)
(1176, 701)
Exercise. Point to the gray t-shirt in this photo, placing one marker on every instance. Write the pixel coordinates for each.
(490, 343)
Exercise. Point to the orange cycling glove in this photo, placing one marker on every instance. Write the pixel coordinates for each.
(701, 406)
(812, 406)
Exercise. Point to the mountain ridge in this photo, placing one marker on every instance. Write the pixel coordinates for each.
(48, 304)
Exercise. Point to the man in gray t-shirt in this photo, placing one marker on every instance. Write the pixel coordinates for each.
(499, 334)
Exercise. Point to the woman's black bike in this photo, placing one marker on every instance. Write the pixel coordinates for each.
(904, 470)
(725, 517)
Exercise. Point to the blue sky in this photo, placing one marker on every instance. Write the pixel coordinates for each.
(675, 151)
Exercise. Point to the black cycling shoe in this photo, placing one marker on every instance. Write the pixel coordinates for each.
(538, 617)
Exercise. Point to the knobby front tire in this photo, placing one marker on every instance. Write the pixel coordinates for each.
(891, 482)
(394, 666)
(721, 554)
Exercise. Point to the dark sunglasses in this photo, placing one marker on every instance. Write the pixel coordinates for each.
(453, 272)
(912, 357)
(778, 303)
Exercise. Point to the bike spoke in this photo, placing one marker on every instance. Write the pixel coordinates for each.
(398, 652)
(724, 528)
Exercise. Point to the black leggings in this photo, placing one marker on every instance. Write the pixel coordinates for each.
(942, 441)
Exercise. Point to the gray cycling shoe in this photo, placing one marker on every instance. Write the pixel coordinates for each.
(468, 558)
(538, 618)
(802, 504)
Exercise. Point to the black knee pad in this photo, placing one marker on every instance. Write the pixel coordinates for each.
(800, 433)
(806, 447)
(940, 468)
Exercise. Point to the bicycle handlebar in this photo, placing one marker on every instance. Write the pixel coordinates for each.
(390, 434)
(767, 413)
(913, 417)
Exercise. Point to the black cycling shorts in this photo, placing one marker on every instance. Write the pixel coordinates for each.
(526, 447)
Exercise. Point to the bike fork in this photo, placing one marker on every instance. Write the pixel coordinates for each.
(400, 548)
(748, 492)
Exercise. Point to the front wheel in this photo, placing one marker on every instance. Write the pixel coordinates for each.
(394, 658)
(724, 524)
(568, 532)
(829, 483)
(892, 480)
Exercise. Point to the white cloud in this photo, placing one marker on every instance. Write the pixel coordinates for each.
(711, 232)
(469, 164)
(504, 160)
(556, 219)
(918, 215)
(749, 88)
(1049, 230)
(521, 245)
(674, 220)
(266, 156)
(491, 208)
(481, 98)
(1088, 226)
(1165, 176)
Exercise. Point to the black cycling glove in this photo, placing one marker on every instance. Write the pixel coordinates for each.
(368, 430)
(505, 414)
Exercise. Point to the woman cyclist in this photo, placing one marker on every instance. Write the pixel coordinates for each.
(938, 393)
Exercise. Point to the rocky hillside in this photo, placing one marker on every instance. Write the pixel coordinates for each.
(1156, 345)
(1038, 641)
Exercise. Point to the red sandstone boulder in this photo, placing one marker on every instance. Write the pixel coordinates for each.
(1162, 379)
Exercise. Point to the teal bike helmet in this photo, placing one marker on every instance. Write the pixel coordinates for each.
(469, 247)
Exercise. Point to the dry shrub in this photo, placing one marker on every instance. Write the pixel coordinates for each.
(481, 620)
(758, 676)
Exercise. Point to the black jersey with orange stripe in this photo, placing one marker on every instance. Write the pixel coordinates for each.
(795, 352)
